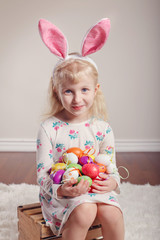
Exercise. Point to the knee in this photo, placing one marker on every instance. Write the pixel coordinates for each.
(108, 214)
(84, 214)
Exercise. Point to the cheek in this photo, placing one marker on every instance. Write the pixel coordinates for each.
(66, 100)
(89, 100)
(90, 97)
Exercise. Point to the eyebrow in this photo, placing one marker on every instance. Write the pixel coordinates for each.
(70, 87)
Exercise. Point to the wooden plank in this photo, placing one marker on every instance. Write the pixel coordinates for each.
(33, 211)
(30, 230)
(52, 238)
(45, 231)
(37, 217)
(29, 206)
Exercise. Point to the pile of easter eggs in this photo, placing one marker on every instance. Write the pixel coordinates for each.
(76, 164)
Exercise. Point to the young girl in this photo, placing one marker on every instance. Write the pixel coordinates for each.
(77, 119)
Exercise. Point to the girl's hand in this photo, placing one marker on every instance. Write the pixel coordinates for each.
(68, 190)
(107, 184)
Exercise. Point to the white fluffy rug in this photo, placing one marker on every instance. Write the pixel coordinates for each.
(140, 203)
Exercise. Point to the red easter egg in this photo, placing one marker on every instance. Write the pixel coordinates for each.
(77, 151)
(91, 188)
(90, 170)
(97, 178)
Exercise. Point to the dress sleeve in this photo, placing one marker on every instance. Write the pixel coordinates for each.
(44, 159)
(108, 147)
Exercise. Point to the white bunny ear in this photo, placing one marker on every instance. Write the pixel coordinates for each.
(53, 38)
(96, 37)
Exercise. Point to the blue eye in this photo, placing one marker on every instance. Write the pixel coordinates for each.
(84, 90)
(68, 91)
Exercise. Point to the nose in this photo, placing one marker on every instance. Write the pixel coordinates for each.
(77, 97)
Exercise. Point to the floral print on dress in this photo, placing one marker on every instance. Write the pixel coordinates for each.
(65, 209)
(51, 191)
(109, 150)
(100, 136)
(40, 181)
(56, 125)
(73, 134)
(50, 154)
(38, 143)
(112, 199)
(48, 221)
(54, 214)
(40, 166)
(108, 129)
(50, 200)
(41, 198)
(60, 147)
(92, 194)
(57, 225)
(89, 144)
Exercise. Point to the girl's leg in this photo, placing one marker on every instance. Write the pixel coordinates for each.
(111, 219)
(79, 222)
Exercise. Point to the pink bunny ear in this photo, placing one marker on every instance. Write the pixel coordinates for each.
(96, 37)
(53, 38)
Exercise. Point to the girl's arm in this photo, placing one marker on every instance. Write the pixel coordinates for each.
(44, 160)
(112, 181)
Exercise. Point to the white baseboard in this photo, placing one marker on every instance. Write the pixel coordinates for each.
(122, 145)
(128, 145)
(17, 145)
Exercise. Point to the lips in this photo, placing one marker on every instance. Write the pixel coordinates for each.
(77, 107)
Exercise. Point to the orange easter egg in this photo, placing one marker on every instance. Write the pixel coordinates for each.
(77, 151)
(102, 167)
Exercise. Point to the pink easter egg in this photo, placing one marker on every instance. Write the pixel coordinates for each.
(85, 159)
(90, 170)
(57, 177)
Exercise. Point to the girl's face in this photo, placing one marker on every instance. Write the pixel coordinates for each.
(77, 99)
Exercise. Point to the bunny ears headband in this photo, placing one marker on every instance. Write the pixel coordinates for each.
(57, 43)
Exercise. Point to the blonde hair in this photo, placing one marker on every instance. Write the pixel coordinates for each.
(74, 70)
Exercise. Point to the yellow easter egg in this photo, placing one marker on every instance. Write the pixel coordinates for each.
(59, 166)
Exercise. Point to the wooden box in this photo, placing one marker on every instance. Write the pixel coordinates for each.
(31, 225)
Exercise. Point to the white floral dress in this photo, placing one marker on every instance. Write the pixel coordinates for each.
(54, 138)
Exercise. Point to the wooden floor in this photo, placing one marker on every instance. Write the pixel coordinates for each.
(20, 167)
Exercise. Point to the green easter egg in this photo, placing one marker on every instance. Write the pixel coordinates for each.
(85, 178)
(75, 165)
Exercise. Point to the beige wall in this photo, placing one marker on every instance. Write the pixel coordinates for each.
(128, 64)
